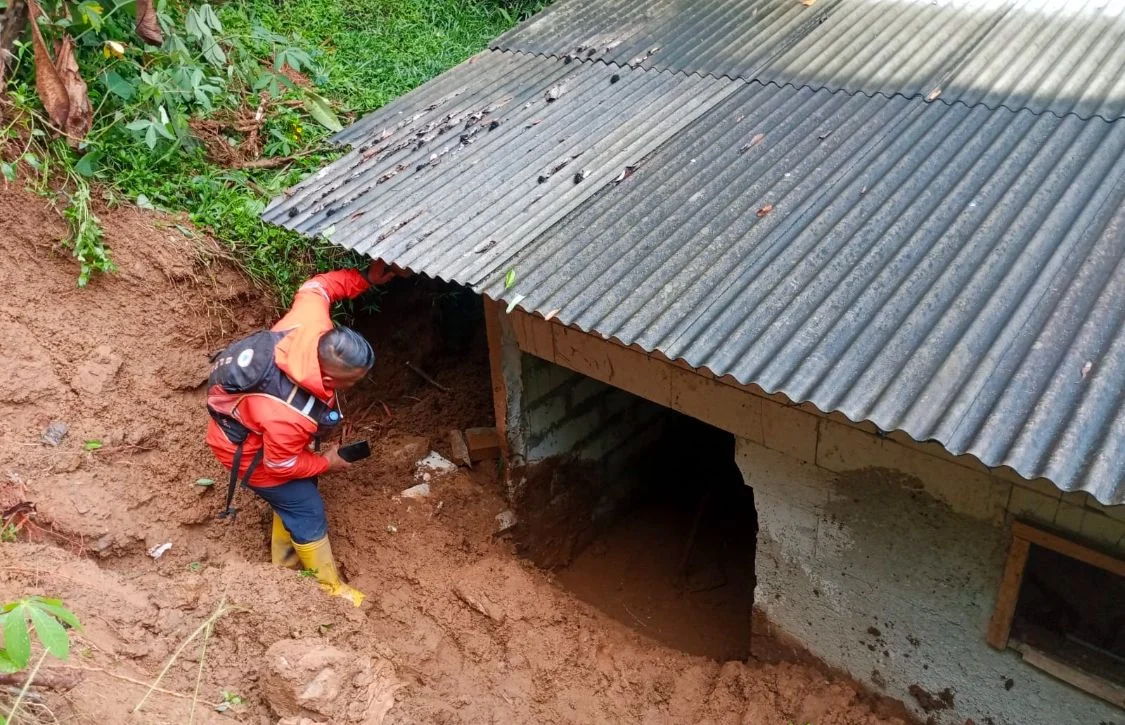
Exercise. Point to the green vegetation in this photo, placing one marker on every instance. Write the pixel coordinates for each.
(235, 105)
(50, 620)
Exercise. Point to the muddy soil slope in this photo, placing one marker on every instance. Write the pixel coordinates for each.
(456, 628)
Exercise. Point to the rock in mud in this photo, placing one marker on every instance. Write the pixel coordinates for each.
(306, 680)
(422, 490)
(459, 448)
(505, 520)
(55, 433)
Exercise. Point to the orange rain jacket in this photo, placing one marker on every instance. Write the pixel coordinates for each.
(284, 431)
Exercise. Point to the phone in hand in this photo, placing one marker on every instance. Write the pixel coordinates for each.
(354, 451)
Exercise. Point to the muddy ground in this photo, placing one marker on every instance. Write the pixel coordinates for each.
(457, 628)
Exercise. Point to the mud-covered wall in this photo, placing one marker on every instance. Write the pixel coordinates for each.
(571, 414)
(580, 440)
(876, 576)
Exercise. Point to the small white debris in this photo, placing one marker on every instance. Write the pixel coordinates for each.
(437, 463)
(553, 93)
(158, 551)
(505, 520)
(1087, 368)
(392, 529)
(422, 490)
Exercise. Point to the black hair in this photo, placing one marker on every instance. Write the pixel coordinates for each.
(343, 347)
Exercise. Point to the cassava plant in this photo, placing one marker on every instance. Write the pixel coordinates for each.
(50, 620)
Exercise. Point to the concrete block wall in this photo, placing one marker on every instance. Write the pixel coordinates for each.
(568, 414)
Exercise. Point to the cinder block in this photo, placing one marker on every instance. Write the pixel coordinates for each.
(721, 405)
(581, 352)
(1101, 529)
(583, 392)
(1039, 485)
(1032, 505)
(1069, 518)
(782, 477)
(1114, 512)
(483, 444)
(533, 334)
(935, 449)
(639, 374)
(844, 448)
(789, 430)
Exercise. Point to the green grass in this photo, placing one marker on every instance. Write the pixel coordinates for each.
(369, 52)
(376, 50)
(366, 53)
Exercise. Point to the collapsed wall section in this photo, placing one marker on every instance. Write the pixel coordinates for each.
(583, 451)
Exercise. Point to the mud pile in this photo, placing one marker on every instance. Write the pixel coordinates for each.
(456, 629)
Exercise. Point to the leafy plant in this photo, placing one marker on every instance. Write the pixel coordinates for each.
(162, 110)
(86, 241)
(91, 445)
(50, 620)
(307, 573)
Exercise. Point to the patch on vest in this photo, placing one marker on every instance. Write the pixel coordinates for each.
(245, 357)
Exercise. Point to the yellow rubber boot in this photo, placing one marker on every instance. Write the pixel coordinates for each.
(282, 552)
(316, 556)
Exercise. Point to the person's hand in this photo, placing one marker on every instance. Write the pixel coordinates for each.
(335, 463)
(379, 273)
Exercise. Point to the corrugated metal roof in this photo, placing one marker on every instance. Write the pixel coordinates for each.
(952, 270)
(949, 271)
(465, 170)
(1063, 56)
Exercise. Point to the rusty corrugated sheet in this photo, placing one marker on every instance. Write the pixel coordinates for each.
(1062, 56)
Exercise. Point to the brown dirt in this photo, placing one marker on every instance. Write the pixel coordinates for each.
(121, 362)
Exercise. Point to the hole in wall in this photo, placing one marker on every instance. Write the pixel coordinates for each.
(678, 565)
(640, 511)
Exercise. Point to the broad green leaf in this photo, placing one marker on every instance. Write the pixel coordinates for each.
(204, 482)
(118, 86)
(55, 608)
(17, 641)
(33, 161)
(139, 125)
(50, 633)
(319, 109)
(91, 445)
(150, 136)
(210, 18)
(510, 278)
(88, 164)
(8, 170)
(7, 664)
(194, 24)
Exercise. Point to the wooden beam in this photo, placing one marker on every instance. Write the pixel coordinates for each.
(1066, 547)
(492, 323)
(1000, 627)
(1092, 684)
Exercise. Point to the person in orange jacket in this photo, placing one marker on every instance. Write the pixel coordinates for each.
(277, 423)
